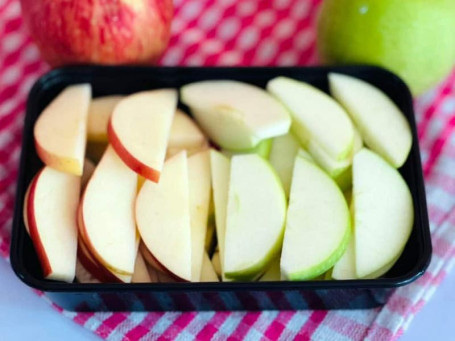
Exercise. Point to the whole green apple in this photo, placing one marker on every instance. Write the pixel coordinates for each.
(413, 38)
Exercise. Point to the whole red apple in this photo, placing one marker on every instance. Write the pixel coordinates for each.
(99, 31)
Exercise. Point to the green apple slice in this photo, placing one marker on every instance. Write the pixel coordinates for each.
(220, 169)
(382, 125)
(199, 201)
(255, 217)
(262, 149)
(316, 117)
(273, 272)
(314, 240)
(383, 213)
(235, 115)
(282, 157)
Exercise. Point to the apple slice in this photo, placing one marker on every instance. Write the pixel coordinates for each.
(141, 273)
(282, 157)
(199, 199)
(185, 135)
(216, 263)
(235, 115)
(262, 149)
(139, 130)
(383, 213)
(273, 272)
(314, 240)
(208, 273)
(51, 211)
(99, 113)
(255, 218)
(91, 264)
(317, 118)
(163, 218)
(60, 131)
(220, 167)
(83, 275)
(107, 214)
(382, 125)
(345, 267)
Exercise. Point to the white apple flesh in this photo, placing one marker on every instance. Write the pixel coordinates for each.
(99, 113)
(60, 131)
(139, 130)
(107, 214)
(185, 135)
(383, 127)
(314, 240)
(163, 218)
(316, 117)
(220, 169)
(282, 157)
(255, 217)
(383, 213)
(208, 273)
(235, 115)
(199, 181)
(51, 216)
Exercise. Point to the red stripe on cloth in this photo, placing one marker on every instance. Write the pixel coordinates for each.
(7, 120)
(399, 304)
(12, 25)
(177, 326)
(313, 323)
(432, 109)
(438, 145)
(143, 327)
(212, 326)
(246, 323)
(109, 324)
(82, 318)
(277, 326)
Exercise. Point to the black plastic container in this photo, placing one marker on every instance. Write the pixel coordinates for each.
(351, 294)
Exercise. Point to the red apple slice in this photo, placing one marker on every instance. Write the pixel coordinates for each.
(107, 214)
(199, 179)
(25, 210)
(99, 113)
(93, 266)
(60, 131)
(163, 217)
(51, 211)
(83, 275)
(139, 130)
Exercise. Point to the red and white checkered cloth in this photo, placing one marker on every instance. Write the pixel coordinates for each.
(247, 32)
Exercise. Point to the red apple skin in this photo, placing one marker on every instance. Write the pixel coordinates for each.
(25, 211)
(99, 31)
(90, 249)
(33, 228)
(155, 263)
(133, 163)
(92, 266)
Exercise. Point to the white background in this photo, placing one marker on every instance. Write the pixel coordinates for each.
(26, 316)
